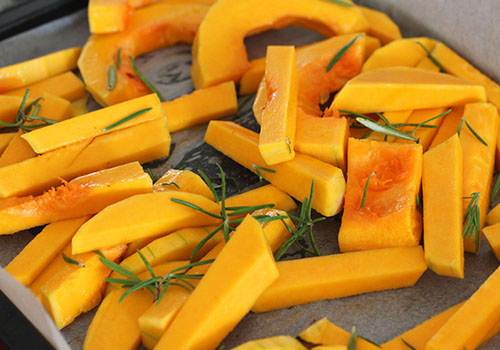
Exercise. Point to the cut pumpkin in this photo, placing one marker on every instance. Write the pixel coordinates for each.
(273, 343)
(492, 235)
(381, 26)
(424, 135)
(448, 127)
(108, 16)
(184, 181)
(5, 138)
(79, 106)
(493, 216)
(267, 194)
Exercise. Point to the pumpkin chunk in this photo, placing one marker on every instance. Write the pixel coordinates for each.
(66, 85)
(108, 16)
(73, 290)
(42, 249)
(389, 216)
(424, 135)
(293, 177)
(380, 25)
(267, 194)
(79, 106)
(94, 124)
(183, 180)
(81, 196)
(144, 142)
(326, 333)
(224, 59)
(218, 101)
(405, 88)
(335, 276)
(141, 216)
(223, 297)
(448, 127)
(277, 135)
(273, 343)
(37, 69)
(428, 64)
(371, 44)
(492, 235)
(5, 139)
(442, 181)
(478, 160)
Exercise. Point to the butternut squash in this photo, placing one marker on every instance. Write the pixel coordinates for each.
(492, 235)
(66, 85)
(42, 249)
(401, 52)
(293, 177)
(405, 88)
(479, 160)
(16, 151)
(273, 343)
(371, 44)
(141, 216)
(326, 333)
(267, 194)
(218, 101)
(183, 180)
(424, 135)
(29, 72)
(279, 114)
(389, 216)
(5, 138)
(428, 64)
(79, 106)
(442, 181)
(150, 28)
(144, 142)
(108, 16)
(94, 124)
(335, 276)
(493, 216)
(380, 25)
(84, 195)
(448, 127)
(73, 290)
(396, 117)
(223, 297)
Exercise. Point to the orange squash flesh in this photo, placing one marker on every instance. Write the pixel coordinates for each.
(334, 276)
(293, 177)
(108, 16)
(224, 59)
(326, 333)
(218, 101)
(267, 194)
(144, 142)
(16, 151)
(493, 216)
(183, 180)
(32, 71)
(42, 249)
(442, 181)
(79, 106)
(381, 26)
(492, 235)
(448, 127)
(5, 139)
(73, 290)
(66, 85)
(478, 159)
(84, 195)
(389, 217)
(424, 135)
(274, 343)
(149, 28)
(427, 63)
(371, 44)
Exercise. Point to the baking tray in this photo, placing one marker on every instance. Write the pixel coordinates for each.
(465, 26)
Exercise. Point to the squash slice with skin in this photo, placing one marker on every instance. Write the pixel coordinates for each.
(84, 195)
(183, 180)
(150, 28)
(314, 279)
(108, 16)
(142, 216)
(381, 26)
(42, 249)
(405, 88)
(424, 135)
(223, 297)
(225, 58)
(144, 142)
(25, 73)
(293, 177)
(273, 343)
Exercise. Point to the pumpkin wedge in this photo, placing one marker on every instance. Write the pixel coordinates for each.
(224, 59)
(371, 45)
(424, 135)
(66, 85)
(492, 235)
(144, 142)
(102, 121)
(380, 25)
(42, 249)
(442, 181)
(405, 88)
(218, 101)
(326, 333)
(293, 177)
(79, 106)
(223, 297)
(26, 73)
(279, 114)
(73, 290)
(273, 343)
(108, 16)
(448, 127)
(5, 139)
(493, 216)
(401, 52)
(267, 194)
(428, 64)
(141, 216)
(149, 28)
(479, 161)
(16, 151)
(335, 276)
(183, 180)
(389, 216)
(84, 195)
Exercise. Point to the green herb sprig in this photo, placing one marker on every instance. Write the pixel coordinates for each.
(151, 175)
(431, 56)
(170, 184)
(459, 129)
(351, 345)
(257, 170)
(343, 3)
(472, 224)
(445, 113)
(407, 344)
(341, 53)
(366, 190)
(72, 261)
(126, 119)
(419, 202)
(111, 77)
(496, 188)
(145, 80)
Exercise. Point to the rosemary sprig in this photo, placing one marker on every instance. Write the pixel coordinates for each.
(419, 202)
(289, 144)
(496, 188)
(341, 52)
(257, 170)
(118, 58)
(351, 345)
(72, 261)
(343, 3)
(429, 120)
(431, 56)
(151, 175)
(472, 225)
(126, 119)
(169, 184)
(471, 130)
(366, 190)
(407, 344)
(145, 80)
(385, 129)
(111, 77)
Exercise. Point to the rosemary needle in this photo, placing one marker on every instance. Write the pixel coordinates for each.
(352, 339)
(259, 174)
(366, 190)
(459, 129)
(472, 215)
(126, 119)
(431, 56)
(72, 261)
(145, 80)
(407, 344)
(343, 3)
(111, 77)
(151, 175)
(170, 184)
(341, 53)
(445, 113)
(118, 58)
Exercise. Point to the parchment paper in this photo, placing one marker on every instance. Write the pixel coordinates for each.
(468, 27)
